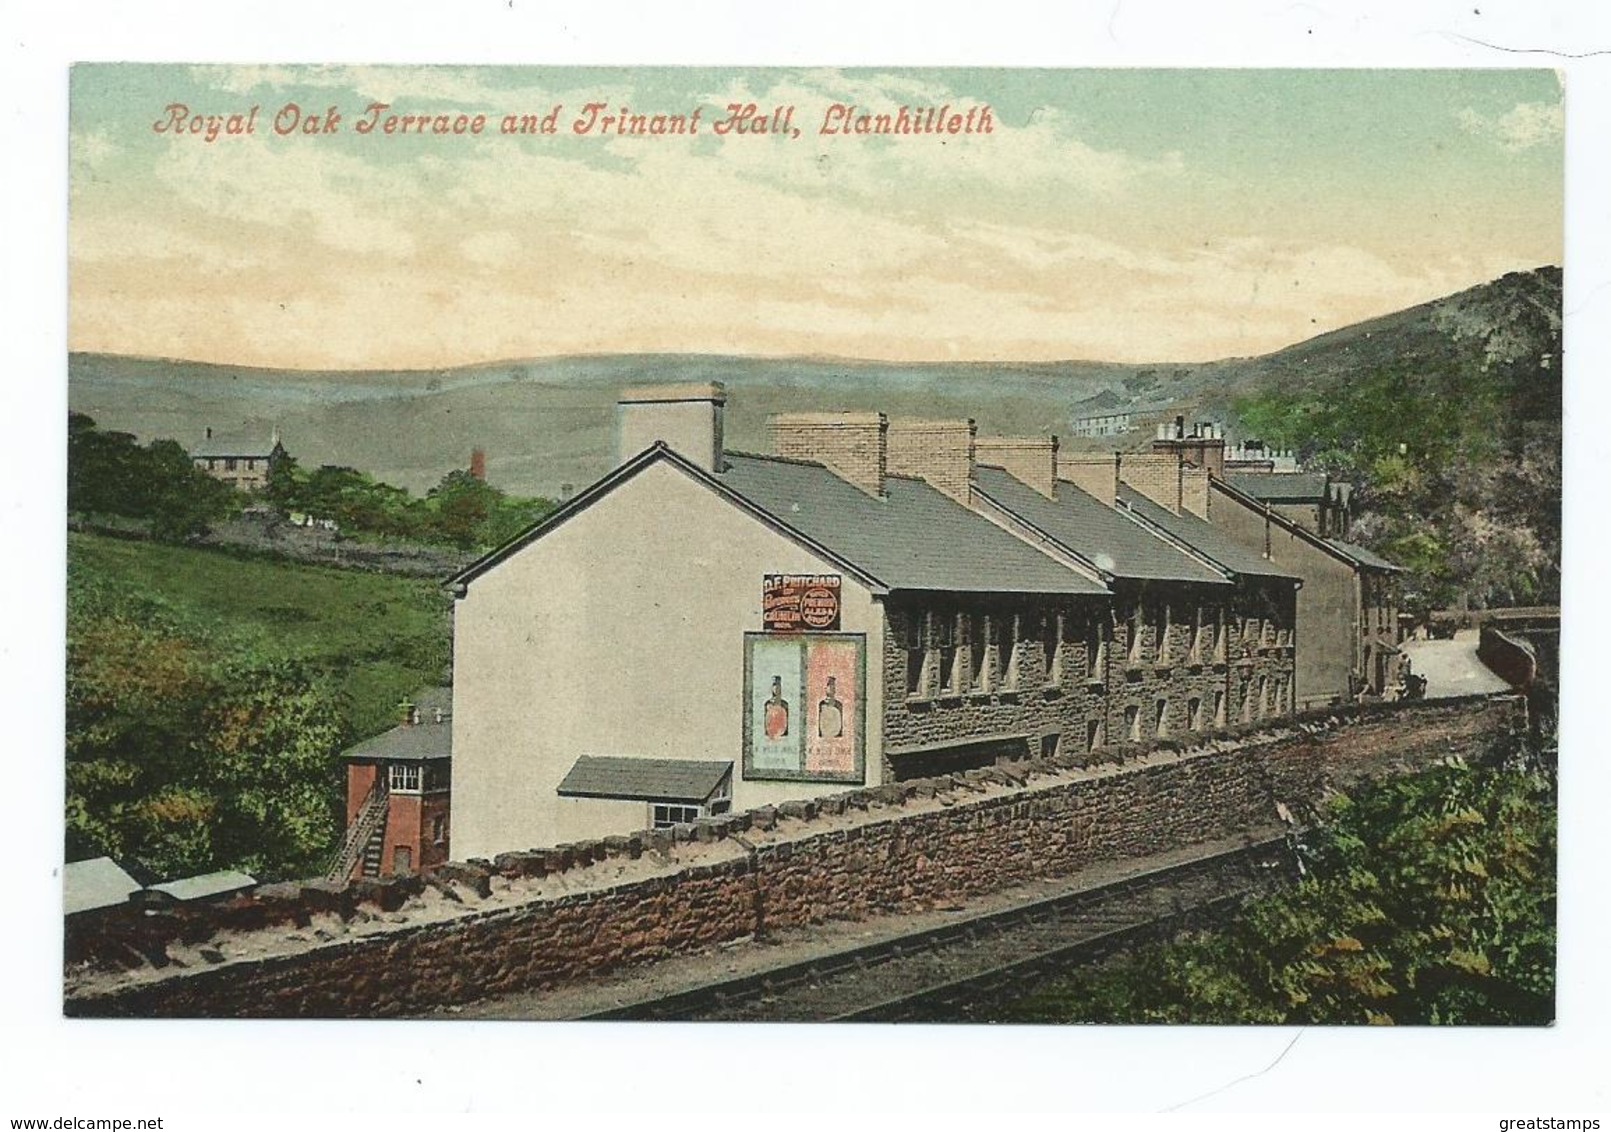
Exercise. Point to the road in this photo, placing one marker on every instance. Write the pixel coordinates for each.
(1451, 667)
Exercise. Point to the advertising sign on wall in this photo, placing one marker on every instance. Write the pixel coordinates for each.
(804, 706)
(800, 602)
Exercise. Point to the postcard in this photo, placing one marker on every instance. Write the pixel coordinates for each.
(1032, 545)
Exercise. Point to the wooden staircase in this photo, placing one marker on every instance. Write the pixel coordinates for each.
(364, 839)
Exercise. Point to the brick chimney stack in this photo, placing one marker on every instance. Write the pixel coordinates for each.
(1201, 446)
(478, 464)
(1032, 459)
(940, 452)
(688, 418)
(1096, 475)
(855, 446)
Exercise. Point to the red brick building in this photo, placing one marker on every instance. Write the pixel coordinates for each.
(398, 793)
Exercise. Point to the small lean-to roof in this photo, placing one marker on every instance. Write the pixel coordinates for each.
(915, 538)
(1097, 533)
(95, 883)
(1280, 487)
(1363, 557)
(1203, 536)
(650, 780)
(208, 884)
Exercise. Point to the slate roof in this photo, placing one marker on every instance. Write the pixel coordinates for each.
(1202, 535)
(426, 739)
(208, 884)
(1280, 487)
(95, 883)
(240, 447)
(1094, 531)
(653, 780)
(913, 539)
(1363, 557)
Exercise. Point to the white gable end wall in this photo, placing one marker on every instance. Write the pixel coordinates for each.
(621, 632)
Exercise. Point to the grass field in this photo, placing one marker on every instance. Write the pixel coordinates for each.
(378, 637)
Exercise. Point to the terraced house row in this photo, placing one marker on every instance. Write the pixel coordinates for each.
(873, 600)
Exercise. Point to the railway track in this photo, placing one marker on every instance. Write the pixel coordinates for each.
(949, 973)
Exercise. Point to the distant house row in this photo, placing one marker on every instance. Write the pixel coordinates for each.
(874, 600)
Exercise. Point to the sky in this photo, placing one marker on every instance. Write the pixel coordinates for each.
(1112, 215)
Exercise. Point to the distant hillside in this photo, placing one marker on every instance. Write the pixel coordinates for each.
(549, 421)
(543, 422)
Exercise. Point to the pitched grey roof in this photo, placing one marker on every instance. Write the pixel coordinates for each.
(208, 884)
(426, 739)
(1095, 531)
(1280, 487)
(421, 741)
(915, 538)
(96, 883)
(1202, 535)
(1362, 556)
(656, 780)
(240, 447)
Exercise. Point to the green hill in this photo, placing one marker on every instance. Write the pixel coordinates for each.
(209, 696)
(1447, 414)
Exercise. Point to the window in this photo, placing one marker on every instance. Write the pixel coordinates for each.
(229, 464)
(1009, 678)
(1196, 656)
(1194, 714)
(404, 777)
(1220, 633)
(1051, 639)
(916, 654)
(1135, 636)
(1048, 746)
(979, 666)
(1096, 656)
(664, 815)
(945, 639)
(1093, 734)
(1219, 709)
(439, 829)
(1264, 690)
(251, 465)
(402, 860)
(1165, 623)
(1161, 727)
(1132, 722)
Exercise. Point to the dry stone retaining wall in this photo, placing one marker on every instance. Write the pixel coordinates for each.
(535, 919)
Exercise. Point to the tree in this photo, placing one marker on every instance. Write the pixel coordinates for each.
(1430, 899)
(108, 473)
(184, 764)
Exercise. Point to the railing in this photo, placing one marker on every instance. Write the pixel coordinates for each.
(370, 817)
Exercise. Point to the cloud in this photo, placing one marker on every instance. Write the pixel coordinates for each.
(1030, 243)
(1524, 126)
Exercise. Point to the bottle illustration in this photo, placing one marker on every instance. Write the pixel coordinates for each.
(830, 714)
(776, 713)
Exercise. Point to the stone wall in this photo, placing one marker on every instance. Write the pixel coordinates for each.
(535, 919)
(1036, 705)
